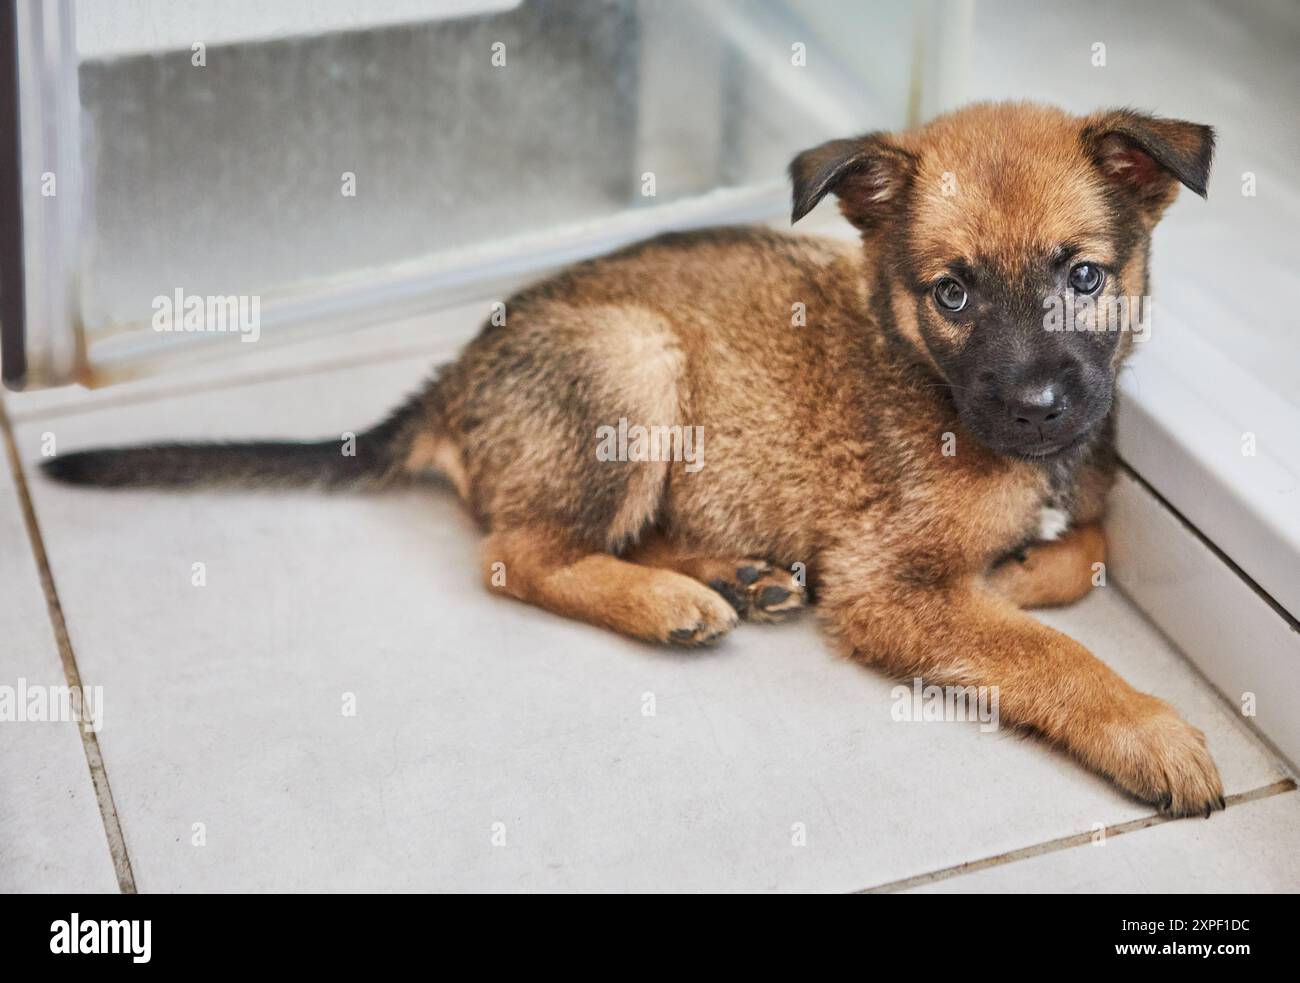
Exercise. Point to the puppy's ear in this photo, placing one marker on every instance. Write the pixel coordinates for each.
(1150, 156)
(868, 174)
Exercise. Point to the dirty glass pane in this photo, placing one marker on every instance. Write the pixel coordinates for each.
(269, 163)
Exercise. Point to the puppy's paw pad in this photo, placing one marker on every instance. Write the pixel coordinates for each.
(774, 597)
(733, 594)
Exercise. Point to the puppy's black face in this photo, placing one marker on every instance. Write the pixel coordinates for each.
(1030, 352)
(1007, 245)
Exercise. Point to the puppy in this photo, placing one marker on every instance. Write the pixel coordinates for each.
(896, 422)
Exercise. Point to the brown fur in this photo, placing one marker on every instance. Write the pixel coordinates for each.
(1053, 573)
(824, 440)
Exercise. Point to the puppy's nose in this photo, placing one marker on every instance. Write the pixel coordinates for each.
(1035, 405)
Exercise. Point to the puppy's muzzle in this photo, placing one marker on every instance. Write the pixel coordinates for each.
(1031, 413)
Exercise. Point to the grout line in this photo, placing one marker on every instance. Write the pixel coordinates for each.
(1064, 843)
(89, 740)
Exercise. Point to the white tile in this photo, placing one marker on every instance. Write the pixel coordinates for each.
(1253, 847)
(474, 710)
(51, 836)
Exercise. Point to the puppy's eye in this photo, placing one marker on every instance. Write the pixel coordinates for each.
(950, 295)
(1086, 278)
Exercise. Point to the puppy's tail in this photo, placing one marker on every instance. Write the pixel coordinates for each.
(372, 459)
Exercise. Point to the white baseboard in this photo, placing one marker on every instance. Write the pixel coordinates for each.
(1240, 639)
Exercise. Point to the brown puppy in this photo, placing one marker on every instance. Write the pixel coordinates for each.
(895, 419)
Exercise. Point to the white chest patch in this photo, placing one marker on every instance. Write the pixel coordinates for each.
(1051, 523)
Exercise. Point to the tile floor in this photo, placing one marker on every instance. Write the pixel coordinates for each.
(493, 746)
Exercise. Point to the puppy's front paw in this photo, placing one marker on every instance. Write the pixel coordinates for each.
(688, 613)
(1162, 759)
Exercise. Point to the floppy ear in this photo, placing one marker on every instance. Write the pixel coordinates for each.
(868, 174)
(1150, 156)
